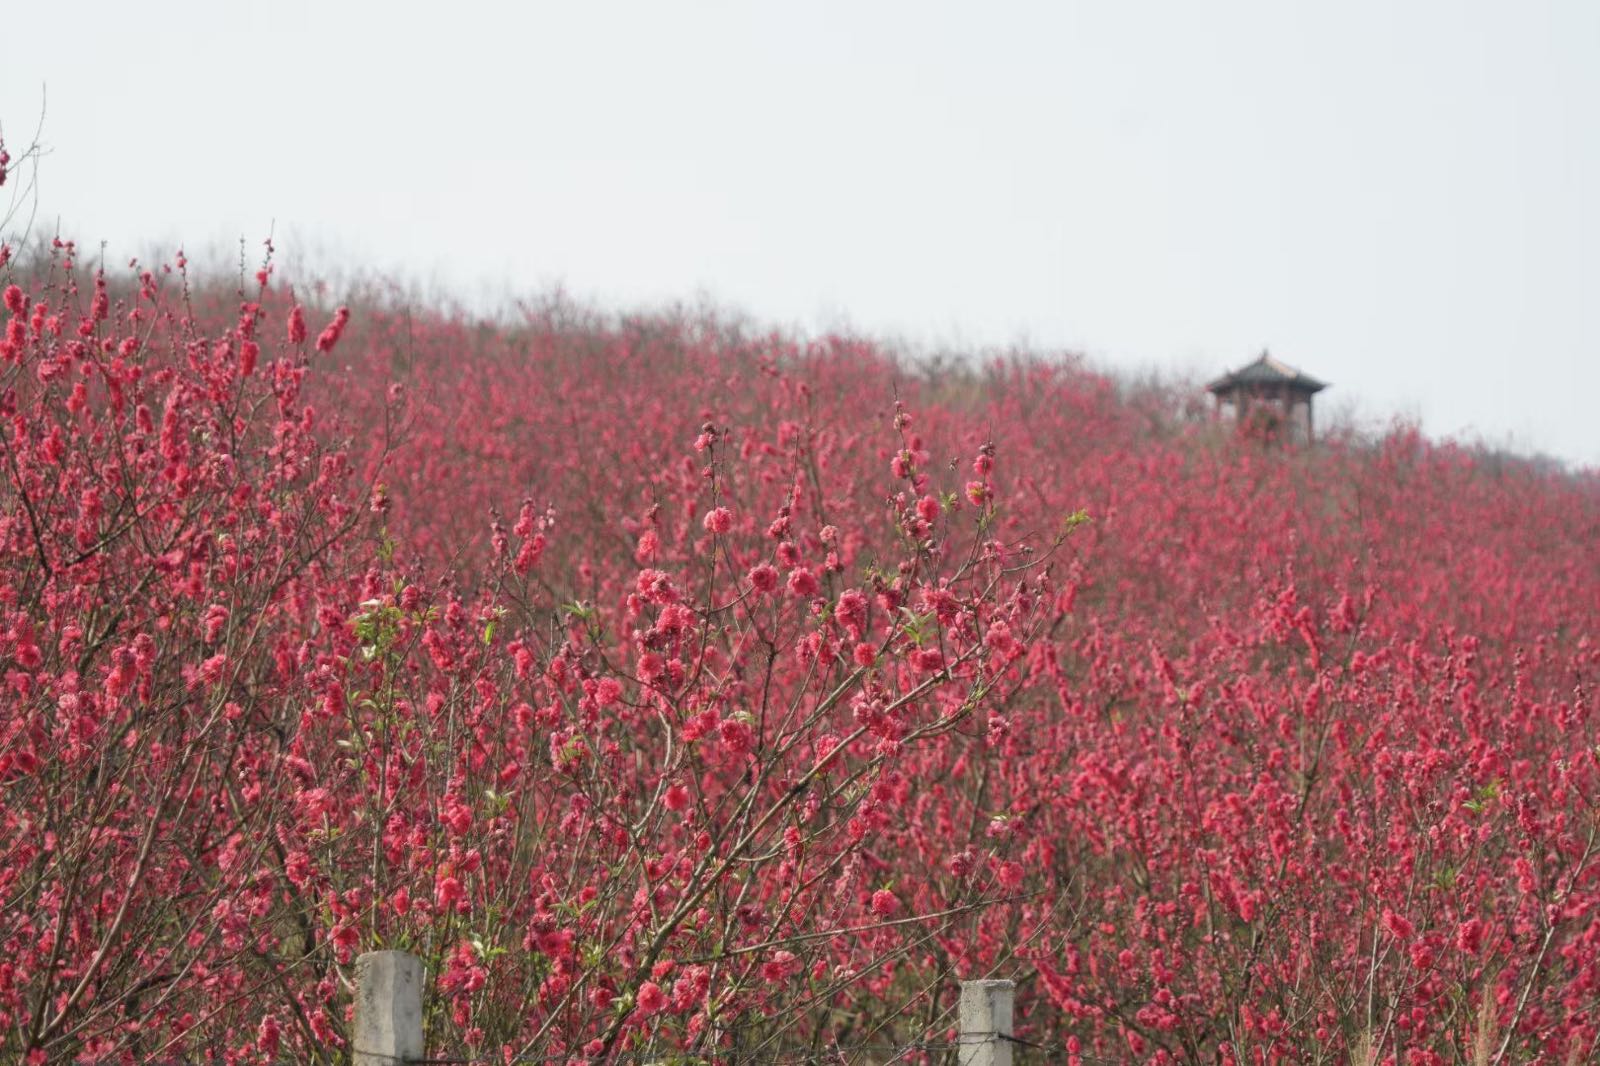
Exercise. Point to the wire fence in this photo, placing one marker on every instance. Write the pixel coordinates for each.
(388, 1031)
(1025, 1053)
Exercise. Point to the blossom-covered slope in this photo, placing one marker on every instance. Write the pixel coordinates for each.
(673, 689)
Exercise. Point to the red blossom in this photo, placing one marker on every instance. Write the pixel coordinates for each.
(329, 337)
(651, 999)
(447, 893)
(804, 583)
(1398, 926)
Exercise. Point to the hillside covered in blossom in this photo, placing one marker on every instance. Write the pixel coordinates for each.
(675, 689)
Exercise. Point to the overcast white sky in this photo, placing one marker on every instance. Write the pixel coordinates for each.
(1401, 197)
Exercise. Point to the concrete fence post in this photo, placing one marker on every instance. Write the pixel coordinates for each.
(986, 1023)
(388, 1025)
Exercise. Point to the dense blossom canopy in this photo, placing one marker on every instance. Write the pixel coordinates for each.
(671, 689)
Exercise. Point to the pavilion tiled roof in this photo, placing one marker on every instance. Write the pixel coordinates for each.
(1268, 371)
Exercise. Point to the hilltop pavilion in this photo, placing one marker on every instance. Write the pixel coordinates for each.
(1270, 396)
